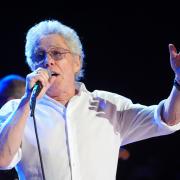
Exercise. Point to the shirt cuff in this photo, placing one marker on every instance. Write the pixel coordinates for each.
(14, 161)
(160, 121)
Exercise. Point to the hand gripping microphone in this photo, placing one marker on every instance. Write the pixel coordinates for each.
(35, 92)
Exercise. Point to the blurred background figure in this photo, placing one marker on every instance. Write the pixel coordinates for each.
(12, 86)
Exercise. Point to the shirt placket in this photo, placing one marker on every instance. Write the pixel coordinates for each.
(72, 143)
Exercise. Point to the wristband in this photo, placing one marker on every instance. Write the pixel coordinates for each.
(177, 85)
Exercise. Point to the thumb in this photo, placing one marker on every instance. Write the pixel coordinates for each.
(172, 51)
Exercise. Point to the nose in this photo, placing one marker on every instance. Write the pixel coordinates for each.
(49, 61)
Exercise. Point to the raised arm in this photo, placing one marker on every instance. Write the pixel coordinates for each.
(171, 111)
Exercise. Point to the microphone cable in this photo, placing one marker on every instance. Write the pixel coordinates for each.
(38, 145)
(37, 87)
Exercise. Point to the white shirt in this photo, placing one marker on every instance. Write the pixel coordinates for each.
(82, 141)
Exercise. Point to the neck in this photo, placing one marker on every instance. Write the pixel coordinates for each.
(62, 95)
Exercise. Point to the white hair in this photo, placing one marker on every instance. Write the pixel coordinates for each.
(47, 27)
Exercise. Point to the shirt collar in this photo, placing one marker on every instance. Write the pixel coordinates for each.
(80, 87)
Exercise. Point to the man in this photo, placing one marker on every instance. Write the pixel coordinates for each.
(12, 86)
(79, 132)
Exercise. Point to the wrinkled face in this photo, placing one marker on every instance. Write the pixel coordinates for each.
(53, 53)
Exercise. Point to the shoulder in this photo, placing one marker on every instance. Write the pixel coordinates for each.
(111, 97)
(9, 106)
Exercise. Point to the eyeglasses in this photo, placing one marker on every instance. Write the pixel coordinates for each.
(55, 53)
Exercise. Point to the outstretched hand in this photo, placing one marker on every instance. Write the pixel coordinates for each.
(175, 60)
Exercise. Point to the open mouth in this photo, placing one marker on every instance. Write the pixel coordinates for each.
(54, 74)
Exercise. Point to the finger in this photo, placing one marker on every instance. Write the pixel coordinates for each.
(44, 78)
(38, 76)
(41, 76)
(44, 72)
(172, 51)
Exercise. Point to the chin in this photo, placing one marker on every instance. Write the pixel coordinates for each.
(52, 90)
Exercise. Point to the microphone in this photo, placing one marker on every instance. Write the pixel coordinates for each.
(35, 92)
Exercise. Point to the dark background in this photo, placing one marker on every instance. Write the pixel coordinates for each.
(126, 48)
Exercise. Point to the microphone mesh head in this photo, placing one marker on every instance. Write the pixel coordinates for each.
(48, 72)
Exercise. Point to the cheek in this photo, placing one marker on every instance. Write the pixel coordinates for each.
(67, 68)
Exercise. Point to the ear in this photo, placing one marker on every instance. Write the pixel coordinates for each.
(76, 64)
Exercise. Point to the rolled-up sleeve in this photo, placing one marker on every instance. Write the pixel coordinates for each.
(161, 123)
(140, 122)
(5, 112)
(14, 161)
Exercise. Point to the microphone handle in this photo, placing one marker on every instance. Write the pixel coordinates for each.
(35, 92)
(37, 88)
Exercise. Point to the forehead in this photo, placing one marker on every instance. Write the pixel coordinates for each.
(52, 40)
